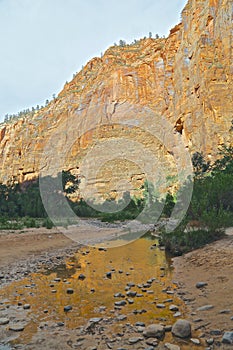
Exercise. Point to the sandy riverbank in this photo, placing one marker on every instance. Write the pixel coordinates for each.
(212, 264)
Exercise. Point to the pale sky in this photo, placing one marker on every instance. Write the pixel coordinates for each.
(43, 42)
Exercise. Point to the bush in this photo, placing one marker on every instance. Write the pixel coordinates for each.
(30, 223)
(181, 241)
(47, 223)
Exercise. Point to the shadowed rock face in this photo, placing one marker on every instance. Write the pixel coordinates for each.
(157, 93)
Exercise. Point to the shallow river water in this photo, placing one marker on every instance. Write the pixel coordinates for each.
(93, 296)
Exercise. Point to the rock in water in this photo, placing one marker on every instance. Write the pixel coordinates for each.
(68, 308)
(81, 277)
(16, 327)
(120, 303)
(109, 275)
(174, 308)
(69, 291)
(182, 329)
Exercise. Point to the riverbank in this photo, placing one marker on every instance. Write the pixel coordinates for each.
(211, 305)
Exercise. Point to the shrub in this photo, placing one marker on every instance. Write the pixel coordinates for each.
(47, 223)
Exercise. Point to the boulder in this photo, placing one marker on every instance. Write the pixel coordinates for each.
(154, 331)
(182, 329)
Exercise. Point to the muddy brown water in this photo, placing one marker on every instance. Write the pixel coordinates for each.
(46, 291)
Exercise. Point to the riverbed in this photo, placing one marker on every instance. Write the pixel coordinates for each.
(95, 298)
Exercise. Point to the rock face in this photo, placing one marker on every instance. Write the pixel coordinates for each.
(134, 103)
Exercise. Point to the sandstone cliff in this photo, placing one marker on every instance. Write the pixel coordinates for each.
(184, 81)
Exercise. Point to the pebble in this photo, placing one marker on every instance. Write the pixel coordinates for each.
(182, 329)
(195, 341)
(4, 321)
(152, 342)
(173, 308)
(131, 284)
(57, 280)
(16, 327)
(201, 284)
(168, 301)
(225, 311)
(95, 319)
(171, 346)
(140, 329)
(67, 308)
(81, 277)
(170, 292)
(205, 308)
(121, 318)
(140, 324)
(210, 341)
(135, 340)
(160, 306)
(27, 306)
(109, 275)
(130, 301)
(215, 332)
(102, 308)
(131, 294)
(69, 291)
(120, 303)
(227, 338)
(119, 295)
(102, 249)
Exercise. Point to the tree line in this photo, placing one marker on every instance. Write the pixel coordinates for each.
(26, 112)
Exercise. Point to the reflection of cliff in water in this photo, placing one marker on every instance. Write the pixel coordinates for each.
(135, 262)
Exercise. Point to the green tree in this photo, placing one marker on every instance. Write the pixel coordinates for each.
(122, 43)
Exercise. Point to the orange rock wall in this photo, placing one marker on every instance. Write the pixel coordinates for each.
(186, 78)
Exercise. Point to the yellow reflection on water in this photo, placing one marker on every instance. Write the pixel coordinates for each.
(137, 263)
